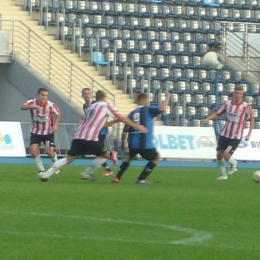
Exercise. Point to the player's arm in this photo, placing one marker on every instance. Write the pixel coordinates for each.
(27, 106)
(251, 127)
(126, 120)
(211, 117)
(110, 123)
(131, 123)
(55, 124)
(165, 103)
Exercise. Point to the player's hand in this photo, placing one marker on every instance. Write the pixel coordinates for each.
(247, 137)
(35, 107)
(204, 120)
(167, 94)
(55, 129)
(142, 129)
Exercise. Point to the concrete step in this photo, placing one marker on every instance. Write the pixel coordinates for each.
(16, 17)
(13, 13)
(7, 3)
(12, 8)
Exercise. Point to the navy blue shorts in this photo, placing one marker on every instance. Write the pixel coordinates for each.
(148, 154)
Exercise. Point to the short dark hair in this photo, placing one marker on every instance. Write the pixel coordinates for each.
(141, 96)
(239, 88)
(84, 89)
(100, 95)
(42, 90)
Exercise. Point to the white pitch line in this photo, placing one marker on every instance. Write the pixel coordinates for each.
(196, 235)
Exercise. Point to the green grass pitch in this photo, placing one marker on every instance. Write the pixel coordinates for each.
(185, 214)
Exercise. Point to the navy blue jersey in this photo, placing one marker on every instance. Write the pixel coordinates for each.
(103, 131)
(142, 116)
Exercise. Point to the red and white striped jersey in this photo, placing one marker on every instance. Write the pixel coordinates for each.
(42, 118)
(95, 117)
(236, 116)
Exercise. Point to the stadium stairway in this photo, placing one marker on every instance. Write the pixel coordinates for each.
(9, 10)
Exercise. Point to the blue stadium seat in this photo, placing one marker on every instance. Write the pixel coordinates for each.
(98, 57)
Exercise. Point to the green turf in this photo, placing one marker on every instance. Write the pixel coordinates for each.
(185, 214)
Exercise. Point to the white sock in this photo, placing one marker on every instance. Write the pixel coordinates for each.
(232, 161)
(38, 162)
(58, 164)
(222, 167)
(96, 163)
(55, 158)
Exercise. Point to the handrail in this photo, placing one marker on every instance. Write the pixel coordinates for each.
(239, 52)
(31, 46)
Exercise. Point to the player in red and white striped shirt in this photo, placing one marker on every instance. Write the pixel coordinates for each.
(45, 118)
(86, 141)
(236, 112)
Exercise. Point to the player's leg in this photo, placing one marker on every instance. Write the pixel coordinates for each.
(221, 147)
(98, 149)
(124, 166)
(228, 155)
(76, 149)
(108, 171)
(153, 158)
(34, 148)
(50, 148)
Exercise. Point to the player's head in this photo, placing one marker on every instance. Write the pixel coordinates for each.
(42, 95)
(238, 93)
(86, 94)
(142, 99)
(101, 95)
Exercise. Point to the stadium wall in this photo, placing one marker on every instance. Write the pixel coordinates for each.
(18, 83)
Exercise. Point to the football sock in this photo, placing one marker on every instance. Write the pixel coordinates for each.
(105, 165)
(123, 168)
(232, 161)
(222, 167)
(58, 164)
(38, 162)
(147, 170)
(96, 163)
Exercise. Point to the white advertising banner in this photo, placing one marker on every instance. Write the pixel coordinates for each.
(249, 150)
(11, 140)
(186, 142)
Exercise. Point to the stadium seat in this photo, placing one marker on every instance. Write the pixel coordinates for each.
(249, 99)
(174, 98)
(211, 99)
(206, 87)
(98, 57)
(191, 111)
(255, 88)
(223, 98)
(168, 84)
(194, 86)
(199, 98)
(118, 7)
(195, 122)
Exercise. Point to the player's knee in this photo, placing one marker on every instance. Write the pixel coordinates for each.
(105, 155)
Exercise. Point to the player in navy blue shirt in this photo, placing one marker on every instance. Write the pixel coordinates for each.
(142, 143)
(87, 95)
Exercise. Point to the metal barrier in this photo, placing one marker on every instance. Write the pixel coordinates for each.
(49, 62)
(64, 137)
(238, 50)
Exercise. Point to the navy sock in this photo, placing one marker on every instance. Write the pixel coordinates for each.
(147, 170)
(123, 168)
